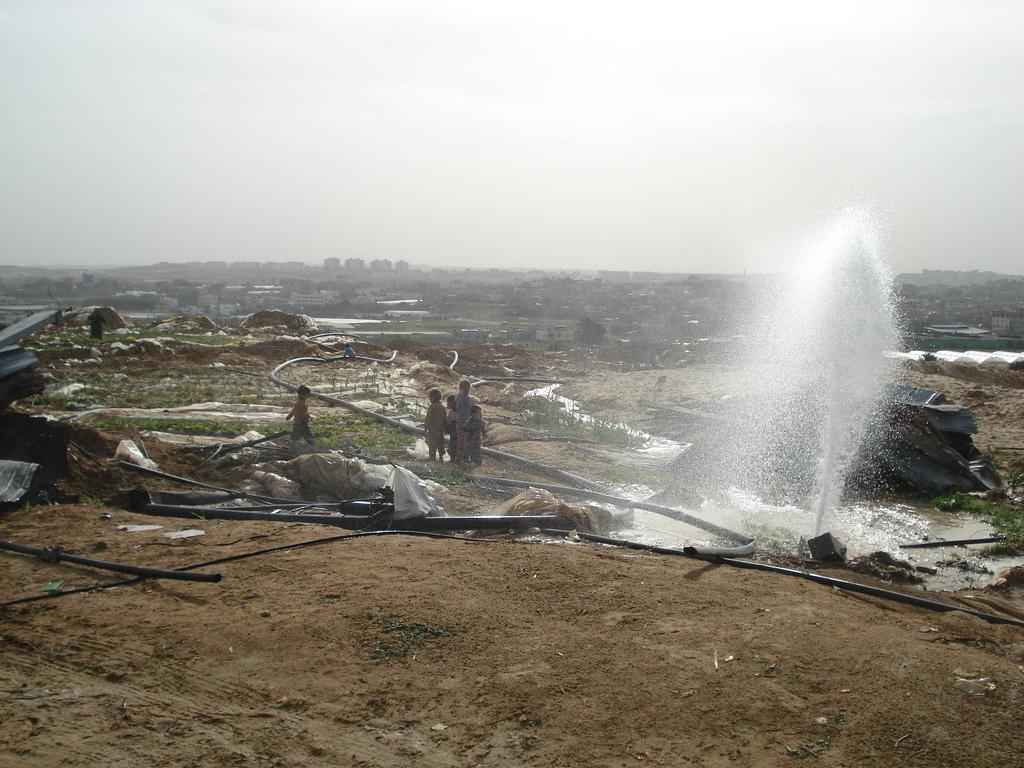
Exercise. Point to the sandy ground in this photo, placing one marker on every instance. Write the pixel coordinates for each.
(414, 651)
(401, 651)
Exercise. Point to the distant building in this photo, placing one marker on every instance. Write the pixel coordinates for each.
(553, 333)
(401, 267)
(215, 266)
(355, 265)
(1008, 322)
(472, 336)
(332, 264)
(380, 265)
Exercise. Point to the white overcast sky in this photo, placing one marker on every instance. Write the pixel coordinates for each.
(678, 136)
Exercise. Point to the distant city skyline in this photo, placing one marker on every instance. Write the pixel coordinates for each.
(656, 136)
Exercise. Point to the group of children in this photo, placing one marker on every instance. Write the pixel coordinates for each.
(462, 421)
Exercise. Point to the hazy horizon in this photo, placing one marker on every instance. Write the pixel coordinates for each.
(540, 135)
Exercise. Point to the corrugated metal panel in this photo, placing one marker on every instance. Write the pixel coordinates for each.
(15, 480)
(22, 328)
(15, 359)
(951, 418)
(899, 393)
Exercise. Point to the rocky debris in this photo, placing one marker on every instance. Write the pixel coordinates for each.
(275, 318)
(1009, 577)
(884, 566)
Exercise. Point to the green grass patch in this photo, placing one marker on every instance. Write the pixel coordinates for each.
(1007, 519)
(549, 414)
(366, 433)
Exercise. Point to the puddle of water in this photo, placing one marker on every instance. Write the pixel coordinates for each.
(864, 527)
(654, 451)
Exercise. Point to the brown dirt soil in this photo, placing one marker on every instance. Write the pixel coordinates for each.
(398, 651)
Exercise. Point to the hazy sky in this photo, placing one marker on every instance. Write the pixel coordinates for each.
(632, 135)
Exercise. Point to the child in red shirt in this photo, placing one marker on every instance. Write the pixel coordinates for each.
(300, 412)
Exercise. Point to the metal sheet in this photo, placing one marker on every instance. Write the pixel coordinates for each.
(950, 418)
(905, 395)
(15, 480)
(14, 360)
(14, 333)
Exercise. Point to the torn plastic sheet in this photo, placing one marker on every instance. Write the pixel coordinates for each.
(15, 480)
(211, 411)
(411, 497)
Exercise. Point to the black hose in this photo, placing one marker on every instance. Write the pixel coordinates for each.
(198, 484)
(953, 543)
(58, 556)
(356, 522)
(844, 584)
(243, 556)
(675, 514)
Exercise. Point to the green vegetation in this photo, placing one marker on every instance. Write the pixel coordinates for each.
(549, 414)
(1007, 519)
(362, 431)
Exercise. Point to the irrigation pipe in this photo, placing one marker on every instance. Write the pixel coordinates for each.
(243, 556)
(410, 428)
(851, 586)
(953, 543)
(58, 556)
(675, 514)
(843, 584)
(481, 380)
(356, 522)
(326, 334)
(198, 484)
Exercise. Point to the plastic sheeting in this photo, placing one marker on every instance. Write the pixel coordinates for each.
(973, 356)
(411, 497)
(536, 501)
(15, 480)
(127, 450)
(330, 476)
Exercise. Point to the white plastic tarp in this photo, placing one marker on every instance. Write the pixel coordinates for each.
(411, 497)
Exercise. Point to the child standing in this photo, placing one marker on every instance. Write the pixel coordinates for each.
(472, 431)
(300, 412)
(463, 403)
(434, 425)
(451, 418)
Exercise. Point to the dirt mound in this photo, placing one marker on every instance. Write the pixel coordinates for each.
(275, 318)
(184, 324)
(994, 375)
(112, 319)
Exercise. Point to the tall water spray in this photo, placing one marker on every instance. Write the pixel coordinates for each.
(815, 371)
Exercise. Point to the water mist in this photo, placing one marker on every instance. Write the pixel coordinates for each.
(813, 372)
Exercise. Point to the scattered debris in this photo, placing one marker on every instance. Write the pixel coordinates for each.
(15, 480)
(976, 686)
(535, 501)
(1008, 577)
(127, 450)
(188, 533)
